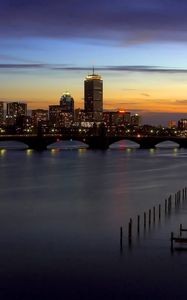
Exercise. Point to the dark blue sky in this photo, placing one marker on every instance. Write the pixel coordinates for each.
(138, 46)
(122, 21)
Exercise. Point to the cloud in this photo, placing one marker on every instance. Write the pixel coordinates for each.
(145, 94)
(130, 90)
(127, 103)
(182, 102)
(122, 68)
(22, 66)
(125, 22)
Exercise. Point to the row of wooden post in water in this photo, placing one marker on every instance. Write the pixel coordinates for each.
(150, 217)
(177, 242)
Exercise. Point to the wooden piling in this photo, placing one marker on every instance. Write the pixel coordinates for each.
(180, 229)
(170, 203)
(171, 239)
(144, 220)
(138, 224)
(149, 217)
(130, 230)
(154, 214)
(166, 206)
(159, 211)
(121, 238)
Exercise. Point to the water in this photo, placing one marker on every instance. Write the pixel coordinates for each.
(60, 214)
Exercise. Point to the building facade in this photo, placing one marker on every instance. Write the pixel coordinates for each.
(136, 120)
(117, 118)
(16, 111)
(93, 97)
(67, 103)
(39, 116)
(182, 124)
(1, 112)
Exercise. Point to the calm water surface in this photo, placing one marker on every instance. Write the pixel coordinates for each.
(60, 214)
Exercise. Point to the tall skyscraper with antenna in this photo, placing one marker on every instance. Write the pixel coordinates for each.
(93, 97)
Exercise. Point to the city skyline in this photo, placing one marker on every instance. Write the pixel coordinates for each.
(138, 48)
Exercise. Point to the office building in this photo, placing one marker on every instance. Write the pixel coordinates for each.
(16, 109)
(135, 120)
(1, 112)
(117, 118)
(59, 118)
(55, 115)
(182, 124)
(93, 97)
(39, 116)
(15, 113)
(67, 103)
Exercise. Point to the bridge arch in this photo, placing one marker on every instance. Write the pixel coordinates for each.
(167, 144)
(67, 144)
(6, 144)
(124, 143)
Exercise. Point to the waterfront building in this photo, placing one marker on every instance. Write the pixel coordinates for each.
(55, 115)
(67, 119)
(172, 124)
(27, 126)
(1, 112)
(136, 120)
(182, 124)
(82, 116)
(16, 109)
(93, 97)
(117, 118)
(15, 113)
(67, 106)
(39, 116)
(59, 118)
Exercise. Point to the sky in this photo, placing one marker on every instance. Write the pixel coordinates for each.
(139, 48)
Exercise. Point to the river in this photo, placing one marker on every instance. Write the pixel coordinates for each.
(60, 215)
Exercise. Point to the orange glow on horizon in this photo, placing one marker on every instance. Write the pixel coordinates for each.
(154, 96)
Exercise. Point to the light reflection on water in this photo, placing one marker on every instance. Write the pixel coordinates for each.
(60, 214)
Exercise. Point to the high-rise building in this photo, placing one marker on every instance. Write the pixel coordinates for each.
(59, 118)
(67, 102)
(15, 112)
(182, 124)
(55, 112)
(16, 109)
(39, 116)
(93, 96)
(136, 120)
(1, 112)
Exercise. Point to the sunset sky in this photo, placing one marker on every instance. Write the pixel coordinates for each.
(139, 47)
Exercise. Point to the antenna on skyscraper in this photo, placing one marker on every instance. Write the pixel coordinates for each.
(93, 70)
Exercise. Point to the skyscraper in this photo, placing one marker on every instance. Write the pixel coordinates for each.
(67, 102)
(93, 96)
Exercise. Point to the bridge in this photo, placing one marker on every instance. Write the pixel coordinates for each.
(41, 142)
